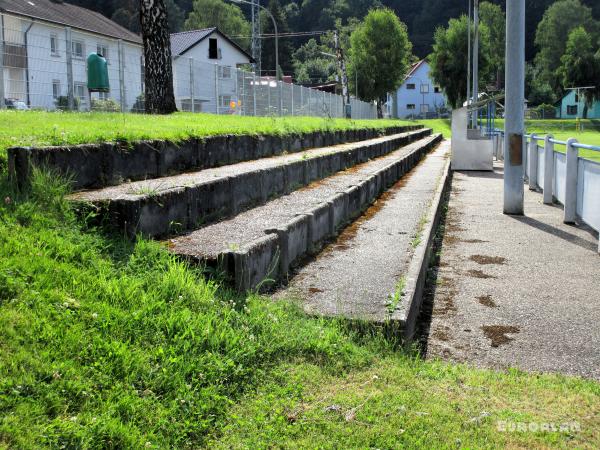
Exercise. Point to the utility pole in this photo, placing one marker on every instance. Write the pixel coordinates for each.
(475, 58)
(256, 43)
(342, 67)
(514, 107)
(469, 56)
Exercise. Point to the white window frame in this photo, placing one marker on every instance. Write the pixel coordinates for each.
(222, 102)
(424, 88)
(55, 89)
(82, 98)
(103, 95)
(225, 72)
(100, 48)
(54, 51)
(74, 44)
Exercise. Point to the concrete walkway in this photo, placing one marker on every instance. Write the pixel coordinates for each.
(515, 291)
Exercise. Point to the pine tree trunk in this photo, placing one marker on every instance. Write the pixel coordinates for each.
(157, 58)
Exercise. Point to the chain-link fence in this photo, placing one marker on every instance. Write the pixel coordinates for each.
(44, 67)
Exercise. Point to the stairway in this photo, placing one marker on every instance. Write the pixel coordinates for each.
(264, 221)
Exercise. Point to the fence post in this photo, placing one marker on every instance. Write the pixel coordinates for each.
(192, 96)
(548, 169)
(254, 92)
(69, 53)
(533, 163)
(121, 75)
(217, 88)
(571, 182)
(280, 98)
(2, 94)
(237, 91)
(292, 86)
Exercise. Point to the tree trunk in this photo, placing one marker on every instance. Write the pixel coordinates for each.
(157, 58)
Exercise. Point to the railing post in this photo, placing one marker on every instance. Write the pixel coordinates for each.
(571, 182)
(548, 170)
(533, 163)
(69, 53)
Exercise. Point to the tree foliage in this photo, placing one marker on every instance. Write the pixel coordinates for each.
(379, 54)
(493, 17)
(311, 66)
(552, 35)
(227, 17)
(580, 66)
(268, 45)
(449, 58)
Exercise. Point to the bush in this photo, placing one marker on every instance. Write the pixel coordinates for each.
(108, 105)
(62, 103)
(140, 104)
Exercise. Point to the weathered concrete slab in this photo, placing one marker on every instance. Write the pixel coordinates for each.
(204, 196)
(519, 291)
(365, 272)
(301, 221)
(109, 164)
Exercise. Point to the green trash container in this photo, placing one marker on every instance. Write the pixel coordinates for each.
(97, 73)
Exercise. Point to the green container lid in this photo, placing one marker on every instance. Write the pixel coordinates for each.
(97, 73)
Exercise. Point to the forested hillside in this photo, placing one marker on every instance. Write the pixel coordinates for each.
(421, 17)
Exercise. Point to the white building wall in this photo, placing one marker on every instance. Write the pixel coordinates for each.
(46, 68)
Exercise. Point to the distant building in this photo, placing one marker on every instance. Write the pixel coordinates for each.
(418, 96)
(211, 54)
(571, 106)
(39, 37)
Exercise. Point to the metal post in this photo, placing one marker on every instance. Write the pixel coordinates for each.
(475, 58)
(280, 97)
(269, 97)
(69, 53)
(254, 92)
(514, 104)
(192, 96)
(533, 163)
(292, 86)
(469, 55)
(2, 94)
(548, 169)
(571, 182)
(121, 75)
(217, 88)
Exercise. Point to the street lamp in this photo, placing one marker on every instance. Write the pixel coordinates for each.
(274, 28)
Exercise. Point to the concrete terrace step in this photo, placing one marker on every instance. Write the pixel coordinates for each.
(265, 242)
(177, 203)
(375, 269)
(110, 164)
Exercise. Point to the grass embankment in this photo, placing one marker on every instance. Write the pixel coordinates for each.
(560, 129)
(38, 128)
(110, 344)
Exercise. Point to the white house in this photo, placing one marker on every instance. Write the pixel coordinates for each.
(203, 69)
(418, 96)
(46, 44)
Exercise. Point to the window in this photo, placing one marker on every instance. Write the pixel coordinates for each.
(79, 91)
(577, 97)
(424, 89)
(410, 106)
(224, 101)
(54, 45)
(77, 49)
(572, 110)
(55, 89)
(103, 95)
(424, 109)
(410, 86)
(436, 89)
(213, 51)
(225, 72)
(102, 50)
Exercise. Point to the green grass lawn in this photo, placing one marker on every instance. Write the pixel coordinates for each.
(111, 344)
(38, 128)
(106, 343)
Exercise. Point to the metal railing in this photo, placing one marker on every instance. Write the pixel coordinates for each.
(566, 178)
